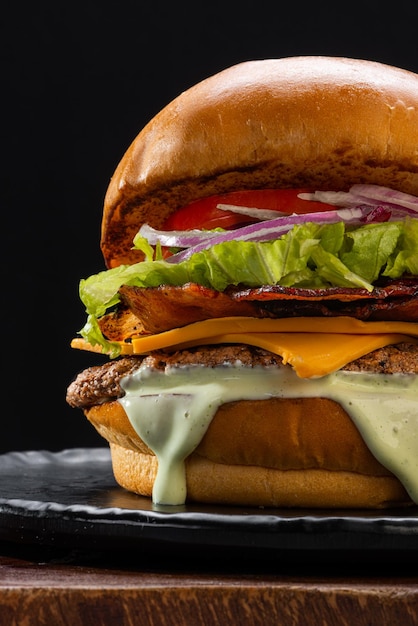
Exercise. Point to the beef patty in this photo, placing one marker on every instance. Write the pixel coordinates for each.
(101, 383)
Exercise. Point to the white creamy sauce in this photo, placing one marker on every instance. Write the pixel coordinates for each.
(172, 410)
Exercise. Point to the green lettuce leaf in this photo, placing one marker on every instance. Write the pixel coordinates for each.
(372, 246)
(404, 259)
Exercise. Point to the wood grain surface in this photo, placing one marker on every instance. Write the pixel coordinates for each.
(54, 593)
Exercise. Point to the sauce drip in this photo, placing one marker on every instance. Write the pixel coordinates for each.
(172, 410)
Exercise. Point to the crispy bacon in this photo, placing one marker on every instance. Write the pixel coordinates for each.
(165, 307)
(404, 287)
(395, 300)
(121, 324)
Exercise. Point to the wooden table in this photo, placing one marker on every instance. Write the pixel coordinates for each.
(74, 589)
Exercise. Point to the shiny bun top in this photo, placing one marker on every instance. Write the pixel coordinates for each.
(322, 122)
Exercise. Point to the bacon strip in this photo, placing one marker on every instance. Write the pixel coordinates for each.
(399, 288)
(165, 307)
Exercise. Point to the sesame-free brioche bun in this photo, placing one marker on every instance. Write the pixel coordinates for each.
(276, 452)
(308, 121)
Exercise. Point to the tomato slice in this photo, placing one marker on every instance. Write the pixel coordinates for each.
(203, 213)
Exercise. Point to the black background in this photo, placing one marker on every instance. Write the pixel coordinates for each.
(78, 81)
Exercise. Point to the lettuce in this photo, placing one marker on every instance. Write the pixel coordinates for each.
(404, 260)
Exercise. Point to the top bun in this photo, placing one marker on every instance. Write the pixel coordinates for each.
(310, 121)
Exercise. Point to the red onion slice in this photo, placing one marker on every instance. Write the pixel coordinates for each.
(270, 229)
(366, 194)
(175, 238)
(258, 214)
(387, 196)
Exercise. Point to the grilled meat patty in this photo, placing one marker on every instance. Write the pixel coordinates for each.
(101, 383)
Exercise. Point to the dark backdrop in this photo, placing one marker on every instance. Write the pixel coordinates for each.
(78, 81)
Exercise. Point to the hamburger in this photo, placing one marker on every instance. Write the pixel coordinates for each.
(258, 312)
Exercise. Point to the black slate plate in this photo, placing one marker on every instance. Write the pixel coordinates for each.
(69, 500)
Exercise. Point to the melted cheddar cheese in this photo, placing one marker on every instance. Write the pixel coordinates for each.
(312, 346)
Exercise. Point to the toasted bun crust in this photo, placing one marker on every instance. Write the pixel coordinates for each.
(276, 452)
(301, 121)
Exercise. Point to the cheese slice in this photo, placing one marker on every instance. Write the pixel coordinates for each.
(309, 354)
(313, 346)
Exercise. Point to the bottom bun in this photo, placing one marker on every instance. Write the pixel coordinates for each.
(244, 485)
(276, 453)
